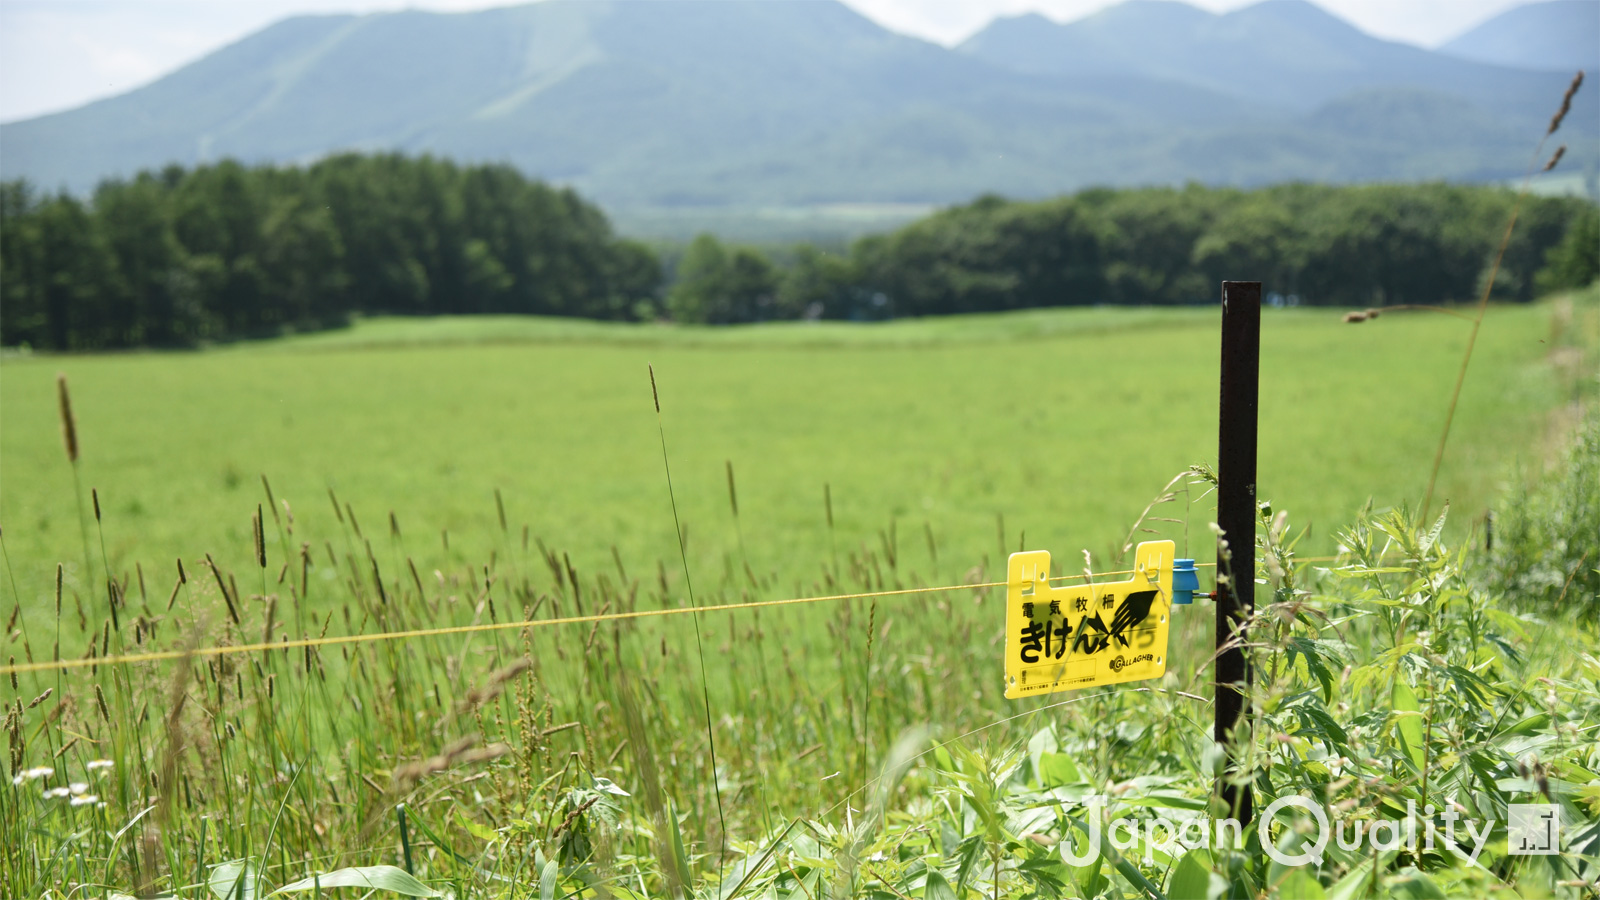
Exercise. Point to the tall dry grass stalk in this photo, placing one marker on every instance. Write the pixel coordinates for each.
(705, 688)
(1488, 285)
(69, 440)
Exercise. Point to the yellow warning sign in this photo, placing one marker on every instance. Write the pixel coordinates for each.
(1081, 635)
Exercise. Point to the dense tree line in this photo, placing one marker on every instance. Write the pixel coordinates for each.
(1310, 244)
(181, 257)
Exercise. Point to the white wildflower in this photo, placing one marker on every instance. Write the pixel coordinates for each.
(99, 764)
(48, 793)
(85, 800)
(77, 787)
(33, 774)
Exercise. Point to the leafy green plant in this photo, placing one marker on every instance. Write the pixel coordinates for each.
(1546, 553)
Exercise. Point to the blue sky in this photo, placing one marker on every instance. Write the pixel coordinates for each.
(58, 54)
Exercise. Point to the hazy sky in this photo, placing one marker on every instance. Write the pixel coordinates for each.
(57, 54)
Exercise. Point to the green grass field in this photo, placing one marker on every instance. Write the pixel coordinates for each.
(1065, 423)
(778, 753)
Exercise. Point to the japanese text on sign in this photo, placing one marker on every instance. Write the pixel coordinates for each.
(1082, 635)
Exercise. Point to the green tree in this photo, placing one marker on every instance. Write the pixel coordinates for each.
(1148, 239)
(76, 275)
(752, 287)
(22, 312)
(1256, 239)
(818, 285)
(1575, 262)
(717, 286)
(988, 255)
(697, 295)
(634, 280)
(302, 259)
(136, 218)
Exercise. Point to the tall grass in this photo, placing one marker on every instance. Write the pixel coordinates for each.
(855, 748)
(576, 761)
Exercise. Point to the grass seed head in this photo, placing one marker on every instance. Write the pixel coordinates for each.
(69, 425)
(1566, 103)
(457, 753)
(259, 534)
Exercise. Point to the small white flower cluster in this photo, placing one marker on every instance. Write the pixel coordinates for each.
(76, 793)
(32, 775)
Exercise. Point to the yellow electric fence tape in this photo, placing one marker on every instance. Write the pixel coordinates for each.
(1077, 636)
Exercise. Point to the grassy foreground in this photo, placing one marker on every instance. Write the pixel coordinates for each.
(855, 748)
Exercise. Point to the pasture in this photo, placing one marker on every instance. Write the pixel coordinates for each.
(1064, 424)
(778, 752)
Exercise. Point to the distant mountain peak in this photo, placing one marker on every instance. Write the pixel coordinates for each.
(1301, 13)
(1288, 53)
(655, 105)
(1555, 35)
(1164, 14)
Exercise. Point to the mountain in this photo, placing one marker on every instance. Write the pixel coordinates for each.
(639, 103)
(1289, 54)
(697, 104)
(1561, 35)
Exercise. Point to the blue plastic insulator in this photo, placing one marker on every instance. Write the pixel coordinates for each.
(1185, 581)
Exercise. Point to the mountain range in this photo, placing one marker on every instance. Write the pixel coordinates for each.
(701, 104)
(1556, 35)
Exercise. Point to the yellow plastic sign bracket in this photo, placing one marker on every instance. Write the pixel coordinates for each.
(1082, 635)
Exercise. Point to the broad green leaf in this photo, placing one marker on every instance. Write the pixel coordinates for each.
(1291, 842)
(680, 858)
(1042, 742)
(378, 878)
(1169, 800)
(1056, 769)
(481, 832)
(547, 881)
(1414, 884)
(1531, 725)
(1299, 884)
(1409, 724)
(937, 887)
(1358, 882)
(1191, 878)
(1438, 526)
(233, 880)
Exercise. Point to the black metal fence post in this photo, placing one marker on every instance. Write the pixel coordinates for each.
(1236, 515)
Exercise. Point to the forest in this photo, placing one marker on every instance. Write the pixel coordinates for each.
(184, 257)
